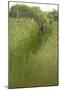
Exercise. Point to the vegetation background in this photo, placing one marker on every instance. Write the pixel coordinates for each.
(32, 56)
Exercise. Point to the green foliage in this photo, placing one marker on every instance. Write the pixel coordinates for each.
(32, 57)
(24, 11)
(53, 15)
(19, 10)
(35, 13)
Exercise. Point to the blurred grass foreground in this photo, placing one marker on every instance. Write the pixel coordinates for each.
(32, 53)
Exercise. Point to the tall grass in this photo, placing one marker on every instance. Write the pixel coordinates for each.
(32, 57)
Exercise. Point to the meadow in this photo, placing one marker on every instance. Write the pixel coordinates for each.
(32, 57)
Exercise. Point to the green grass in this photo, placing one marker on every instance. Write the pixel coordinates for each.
(32, 58)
